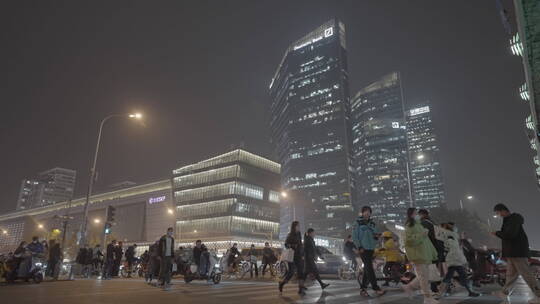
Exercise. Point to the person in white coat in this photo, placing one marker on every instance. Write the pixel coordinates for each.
(455, 260)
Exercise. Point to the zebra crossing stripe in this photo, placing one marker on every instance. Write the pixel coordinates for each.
(309, 294)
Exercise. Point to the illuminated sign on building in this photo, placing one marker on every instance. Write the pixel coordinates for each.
(327, 33)
(155, 200)
(395, 124)
(418, 111)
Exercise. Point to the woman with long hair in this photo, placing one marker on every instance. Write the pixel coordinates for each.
(294, 242)
(421, 253)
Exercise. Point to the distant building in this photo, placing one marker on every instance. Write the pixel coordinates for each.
(50, 187)
(526, 43)
(424, 165)
(310, 127)
(380, 148)
(230, 198)
(142, 216)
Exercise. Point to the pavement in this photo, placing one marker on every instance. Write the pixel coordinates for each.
(134, 291)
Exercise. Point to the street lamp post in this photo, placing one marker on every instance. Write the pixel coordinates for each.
(468, 197)
(84, 226)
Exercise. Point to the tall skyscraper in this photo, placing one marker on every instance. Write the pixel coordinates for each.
(310, 127)
(380, 148)
(51, 186)
(424, 166)
(526, 43)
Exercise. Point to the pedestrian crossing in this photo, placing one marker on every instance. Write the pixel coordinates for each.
(338, 292)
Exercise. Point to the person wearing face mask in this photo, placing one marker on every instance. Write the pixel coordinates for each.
(365, 236)
(421, 252)
(166, 256)
(456, 261)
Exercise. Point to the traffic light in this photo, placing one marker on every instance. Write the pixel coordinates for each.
(110, 214)
(108, 228)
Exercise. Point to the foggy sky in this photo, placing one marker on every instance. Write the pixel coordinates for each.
(200, 70)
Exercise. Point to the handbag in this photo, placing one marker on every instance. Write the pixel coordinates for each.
(287, 255)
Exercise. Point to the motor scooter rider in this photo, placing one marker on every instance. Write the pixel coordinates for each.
(34, 249)
(197, 250)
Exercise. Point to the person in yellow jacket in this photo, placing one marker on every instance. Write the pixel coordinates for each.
(392, 257)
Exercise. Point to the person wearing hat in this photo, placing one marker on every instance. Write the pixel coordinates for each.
(392, 257)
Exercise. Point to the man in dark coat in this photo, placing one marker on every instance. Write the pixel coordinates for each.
(166, 256)
(311, 254)
(109, 260)
(268, 259)
(55, 257)
(515, 249)
(118, 254)
(130, 258)
(153, 271)
(197, 253)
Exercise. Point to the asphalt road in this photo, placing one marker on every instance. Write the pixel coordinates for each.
(134, 291)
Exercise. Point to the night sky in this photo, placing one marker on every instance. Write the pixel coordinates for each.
(200, 70)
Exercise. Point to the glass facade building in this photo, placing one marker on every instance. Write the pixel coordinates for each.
(526, 43)
(50, 187)
(424, 165)
(310, 126)
(229, 198)
(380, 148)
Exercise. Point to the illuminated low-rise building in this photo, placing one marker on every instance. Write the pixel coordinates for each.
(230, 198)
(142, 215)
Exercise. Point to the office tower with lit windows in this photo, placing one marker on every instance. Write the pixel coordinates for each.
(230, 198)
(380, 148)
(526, 43)
(424, 165)
(52, 186)
(310, 127)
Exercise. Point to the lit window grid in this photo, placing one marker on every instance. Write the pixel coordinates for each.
(231, 157)
(230, 188)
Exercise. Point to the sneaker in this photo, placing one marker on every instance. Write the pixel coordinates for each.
(408, 291)
(501, 295)
(430, 301)
(443, 287)
(280, 287)
(474, 294)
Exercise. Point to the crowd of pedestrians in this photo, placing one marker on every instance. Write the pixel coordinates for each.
(438, 254)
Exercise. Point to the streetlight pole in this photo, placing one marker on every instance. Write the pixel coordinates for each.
(468, 197)
(84, 226)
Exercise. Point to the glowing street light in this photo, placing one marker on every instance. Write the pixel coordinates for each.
(84, 225)
(4, 231)
(195, 231)
(170, 211)
(97, 221)
(284, 194)
(468, 197)
(420, 156)
(136, 115)
(40, 226)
